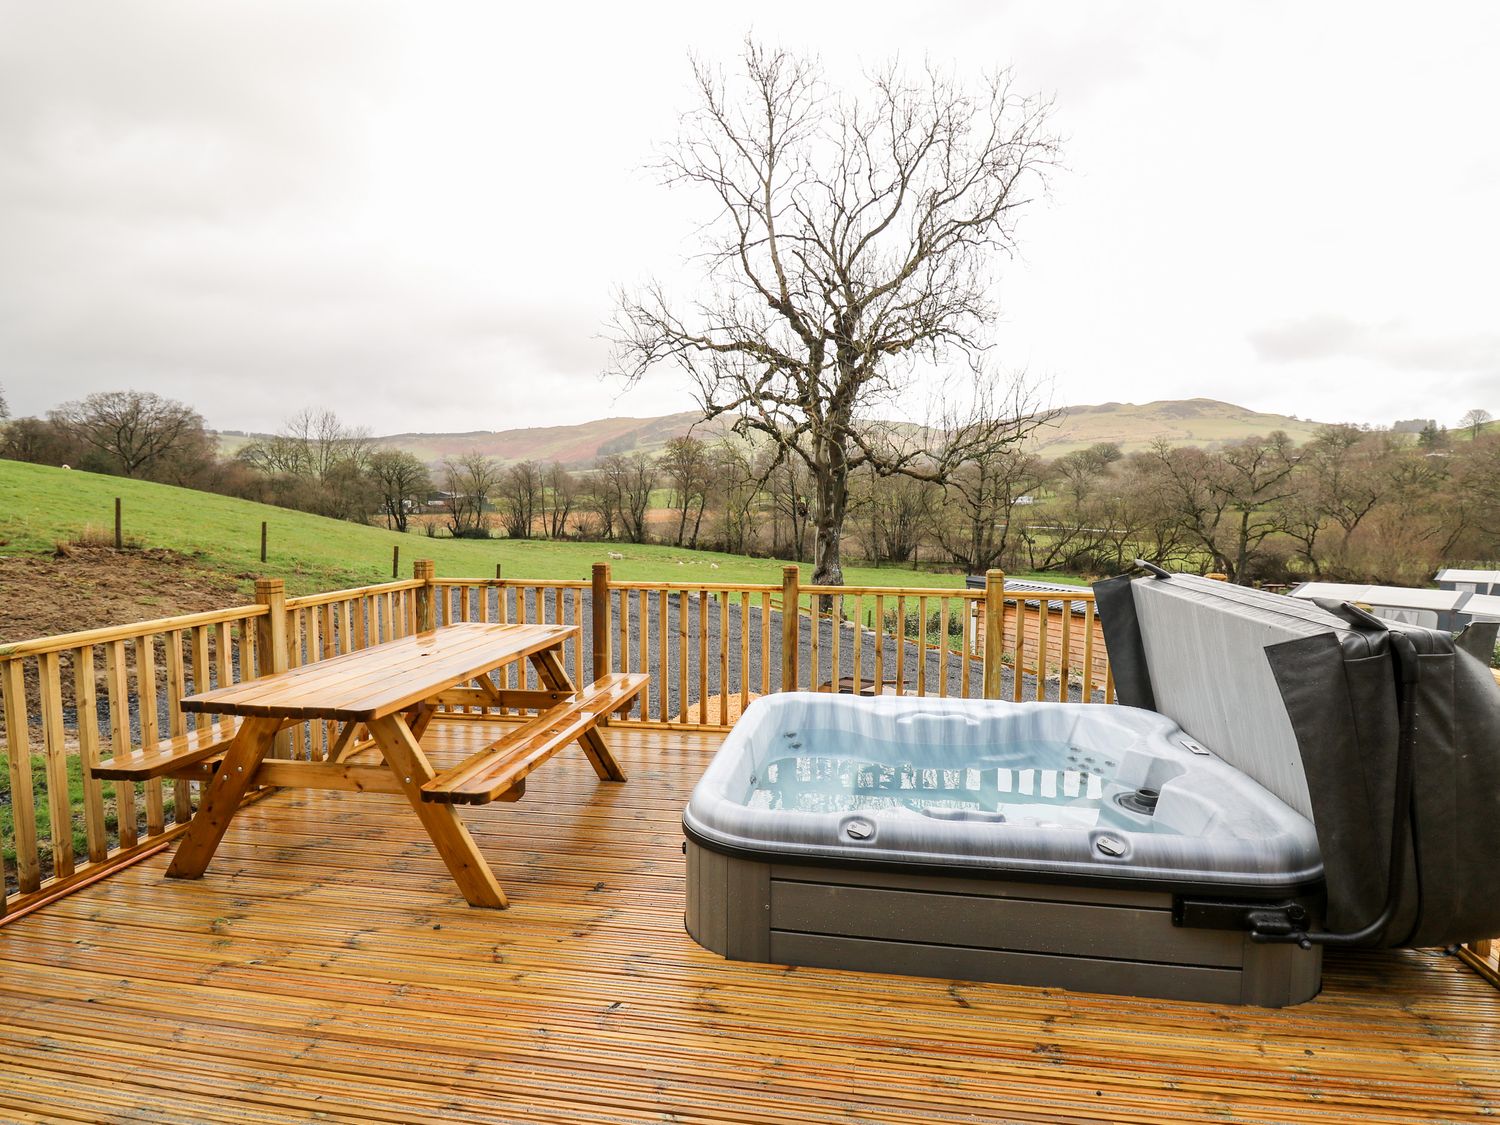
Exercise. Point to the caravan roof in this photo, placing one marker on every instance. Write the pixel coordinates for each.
(1397, 597)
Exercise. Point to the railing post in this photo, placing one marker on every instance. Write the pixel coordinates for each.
(994, 631)
(599, 620)
(791, 632)
(424, 571)
(272, 650)
(270, 629)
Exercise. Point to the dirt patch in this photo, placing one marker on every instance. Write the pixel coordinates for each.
(90, 587)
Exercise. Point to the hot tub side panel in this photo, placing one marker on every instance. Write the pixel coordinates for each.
(1116, 941)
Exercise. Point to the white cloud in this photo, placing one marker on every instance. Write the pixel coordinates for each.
(417, 213)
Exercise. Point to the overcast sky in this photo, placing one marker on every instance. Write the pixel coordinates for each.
(417, 213)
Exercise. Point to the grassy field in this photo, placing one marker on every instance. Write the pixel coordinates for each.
(41, 506)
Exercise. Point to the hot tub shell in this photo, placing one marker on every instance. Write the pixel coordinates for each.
(1001, 901)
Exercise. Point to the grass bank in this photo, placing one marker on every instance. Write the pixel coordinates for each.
(41, 506)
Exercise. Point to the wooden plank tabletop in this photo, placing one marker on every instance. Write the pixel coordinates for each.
(383, 679)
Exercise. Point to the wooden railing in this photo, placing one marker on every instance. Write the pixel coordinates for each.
(73, 699)
(710, 648)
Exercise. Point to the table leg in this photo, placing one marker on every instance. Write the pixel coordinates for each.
(421, 718)
(222, 796)
(405, 757)
(550, 671)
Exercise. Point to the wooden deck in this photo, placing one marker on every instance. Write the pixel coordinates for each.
(327, 969)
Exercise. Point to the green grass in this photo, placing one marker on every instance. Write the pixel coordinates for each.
(42, 812)
(41, 506)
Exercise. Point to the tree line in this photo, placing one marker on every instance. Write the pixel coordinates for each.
(1353, 503)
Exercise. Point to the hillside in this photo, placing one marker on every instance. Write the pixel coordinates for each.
(1196, 421)
(572, 445)
(41, 506)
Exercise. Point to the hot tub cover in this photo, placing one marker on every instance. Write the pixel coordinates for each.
(1304, 698)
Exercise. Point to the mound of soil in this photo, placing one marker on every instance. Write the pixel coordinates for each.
(90, 587)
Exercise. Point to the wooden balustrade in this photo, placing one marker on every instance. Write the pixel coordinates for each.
(67, 702)
(72, 700)
(710, 649)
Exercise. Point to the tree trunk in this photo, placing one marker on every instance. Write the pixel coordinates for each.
(698, 522)
(832, 500)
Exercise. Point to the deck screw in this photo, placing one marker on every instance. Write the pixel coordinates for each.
(408, 781)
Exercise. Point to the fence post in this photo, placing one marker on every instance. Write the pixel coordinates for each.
(599, 623)
(262, 540)
(270, 629)
(272, 651)
(119, 527)
(395, 562)
(424, 570)
(497, 572)
(791, 632)
(994, 632)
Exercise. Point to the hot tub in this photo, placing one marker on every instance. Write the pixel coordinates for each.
(1036, 843)
(1279, 775)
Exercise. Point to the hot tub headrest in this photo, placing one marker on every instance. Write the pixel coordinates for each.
(1304, 699)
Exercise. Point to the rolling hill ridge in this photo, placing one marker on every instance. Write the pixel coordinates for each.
(1194, 421)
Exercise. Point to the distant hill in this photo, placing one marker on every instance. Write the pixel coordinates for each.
(1194, 421)
(572, 445)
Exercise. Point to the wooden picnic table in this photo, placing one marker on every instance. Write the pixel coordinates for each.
(393, 691)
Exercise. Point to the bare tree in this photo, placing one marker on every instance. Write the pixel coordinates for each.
(469, 481)
(851, 258)
(40, 441)
(135, 432)
(896, 514)
(787, 481)
(738, 493)
(4, 406)
(329, 445)
(637, 483)
(689, 472)
(1227, 502)
(320, 464)
(558, 498)
(1087, 518)
(523, 488)
(1474, 421)
(1156, 532)
(975, 526)
(403, 484)
(622, 493)
(1343, 473)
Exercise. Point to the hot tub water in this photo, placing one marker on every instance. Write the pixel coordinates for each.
(1038, 784)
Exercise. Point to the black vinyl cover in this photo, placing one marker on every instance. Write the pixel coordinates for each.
(1341, 690)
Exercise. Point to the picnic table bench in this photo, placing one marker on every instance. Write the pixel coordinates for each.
(385, 697)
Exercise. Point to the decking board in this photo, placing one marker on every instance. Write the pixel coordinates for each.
(326, 965)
